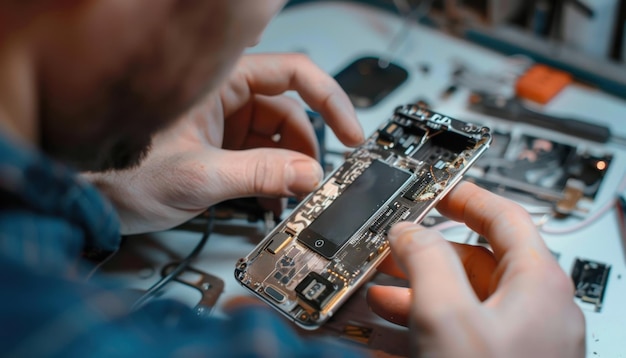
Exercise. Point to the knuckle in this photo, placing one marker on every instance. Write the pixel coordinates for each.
(292, 104)
(260, 173)
(300, 58)
(512, 212)
(510, 216)
(515, 208)
(294, 110)
(265, 178)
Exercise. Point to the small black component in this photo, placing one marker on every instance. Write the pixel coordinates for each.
(416, 128)
(418, 188)
(389, 217)
(379, 224)
(284, 275)
(391, 133)
(394, 219)
(444, 141)
(590, 280)
(315, 290)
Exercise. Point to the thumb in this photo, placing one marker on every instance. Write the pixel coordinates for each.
(267, 172)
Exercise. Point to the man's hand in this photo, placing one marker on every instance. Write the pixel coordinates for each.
(466, 302)
(244, 140)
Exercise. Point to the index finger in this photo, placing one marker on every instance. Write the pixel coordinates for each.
(275, 74)
(505, 224)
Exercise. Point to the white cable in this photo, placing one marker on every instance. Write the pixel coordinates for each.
(589, 219)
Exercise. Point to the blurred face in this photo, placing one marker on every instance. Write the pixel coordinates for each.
(122, 69)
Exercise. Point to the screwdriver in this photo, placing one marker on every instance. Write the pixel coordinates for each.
(514, 110)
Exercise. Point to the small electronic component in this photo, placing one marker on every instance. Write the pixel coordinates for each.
(590, 280)
(315, 290)
(358, 333)
(391, 133)
(542, 83)
(278, 241)
(331, 243)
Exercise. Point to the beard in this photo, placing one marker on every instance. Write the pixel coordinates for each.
(113, 128)
(114, 133)
(118, 154)
(110, 124)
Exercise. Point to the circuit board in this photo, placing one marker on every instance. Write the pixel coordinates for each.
(331, 243)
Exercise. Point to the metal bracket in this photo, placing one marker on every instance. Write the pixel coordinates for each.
(211, 287)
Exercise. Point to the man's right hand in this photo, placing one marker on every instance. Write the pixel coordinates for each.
(466, 302)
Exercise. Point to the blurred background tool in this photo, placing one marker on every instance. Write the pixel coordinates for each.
(542, 83)
(411, 14)
(367, 82)
(588, 25)
(370, 79)
(513, 109)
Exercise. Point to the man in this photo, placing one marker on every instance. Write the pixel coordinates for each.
(106, 87)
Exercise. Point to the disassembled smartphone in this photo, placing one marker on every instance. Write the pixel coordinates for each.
(331, 243)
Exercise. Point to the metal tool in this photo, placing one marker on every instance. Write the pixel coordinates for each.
(399, 39)
(211, 287)
(513, 109)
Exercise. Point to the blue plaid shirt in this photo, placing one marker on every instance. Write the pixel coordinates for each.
(49, 219)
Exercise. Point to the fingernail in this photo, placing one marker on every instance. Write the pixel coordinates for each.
(303, 176)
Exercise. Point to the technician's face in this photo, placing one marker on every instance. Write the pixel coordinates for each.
(127, 68)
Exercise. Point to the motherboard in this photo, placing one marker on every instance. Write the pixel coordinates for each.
(331, 243)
